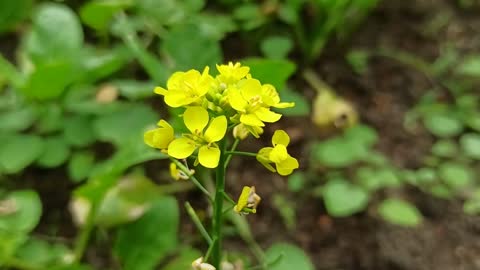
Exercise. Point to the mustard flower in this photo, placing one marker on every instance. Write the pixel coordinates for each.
(185, 88)
(178, 174)
(231, 73)
(160, 137)
(247, 100)
(248, 201)
(284, 163)
(196, 119)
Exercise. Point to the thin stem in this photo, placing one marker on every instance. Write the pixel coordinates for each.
(84, 236)
(193, 215)
(234, 146)
(218, 206)
(232, 201)
(192, 178)
(240, 153)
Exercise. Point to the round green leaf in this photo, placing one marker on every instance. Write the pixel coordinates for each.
(276, 47)
(273, 71)
(344, 199)
(17, 119)
(56, 152)
(98, 13)
(362, 134)
(27, 209)
(50, 118)
(78, 130)
(400, 212)
(470, 144)
(287, 257)
(296, 181)
(445, 148)
(443, 125)
(455, 175)
(80, 165)
(338, 152)
(302, 105)
(19, 151)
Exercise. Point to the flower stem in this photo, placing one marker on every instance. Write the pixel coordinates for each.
(240, 153)
(218, 207)
(198, 223)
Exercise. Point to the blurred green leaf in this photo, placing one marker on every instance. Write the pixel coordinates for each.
(399, 212)
(289, 257)
(99, 64)
(19, 151)
(78, 130)
(274, 72)
(12, 12)
(374, 179)
(80, 165)
(9, 243)
(183, 260)
(154, 235)
(135, 90)
(445, 148)
(455, 175)
(472, 205)
(470, 66)
(286, 210)
(99, 13)
(215, 25)
(25, 213)
(339, 152)
(470, 144)
(50, 118)
(17, 119)
(443, 125)
(302, 105)
(126, 125)
(344, 199)
(168, 12)
(296, 181)
(362, 134)
(55, 153)
(250, 15)
(197, 50)
(46, 43)
(276, 47)
(358, 60)
(40, 253)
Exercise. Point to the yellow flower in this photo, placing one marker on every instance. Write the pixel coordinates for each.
(241, 131)
(196, 119)
(247, 100)
(231, 73)
(178, 174)
(284, 163)
(248, 201)
(160, 137)
(185, 88)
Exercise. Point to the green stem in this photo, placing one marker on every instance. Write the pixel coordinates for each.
(82, 240)
(240, 153)
(198, 223)
(192, 178)
(234, 146)
(218, 206)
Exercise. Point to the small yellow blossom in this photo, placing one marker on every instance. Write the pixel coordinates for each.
(198, 264)
(284, 163)
(178, 174)
(248, 201)
(231, 73)
(160, 137)
(186, 88)
(196, 119)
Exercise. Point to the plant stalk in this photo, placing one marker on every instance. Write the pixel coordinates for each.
(218, 207)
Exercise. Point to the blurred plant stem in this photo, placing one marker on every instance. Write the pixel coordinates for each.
(218, 206)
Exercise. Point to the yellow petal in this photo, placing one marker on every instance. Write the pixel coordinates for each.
(160, 137)
(251, 88)
(278, 154)
(177, 99)
(280, 137)
(251, 120)
(181, 148)
(266, 115)
(287, 166)
(236, 100)
(196, 119)
(209, 156)
(242, 199)
(216, 130)
(263, 157)
(160, 90)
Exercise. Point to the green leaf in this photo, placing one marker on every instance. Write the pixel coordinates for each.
(25, 214)
(197, 50)
(472, 204)
(168, 12)
(78, 130)
(98, 63)
(296, 181)
(276, 47)
(135, 90)
(455, 175)
(362, 134)
(470, 66)
(443, 125)
(183, 260)
(38, 252)
(13, 12)
(45, 42)
(286, 210)
(470, 144)
(358, 60)
(274, 72)
(338, 152)
(154, 235)
(400, 212)
(80, 165)
(9, 243)
(374, 179)
(126, 125)
(344, 199)
(445, 148)
(289, 257)
(17, 119)
(56, 152)
(99, 13)
(50, 118)
(19, 151)
(302, 105)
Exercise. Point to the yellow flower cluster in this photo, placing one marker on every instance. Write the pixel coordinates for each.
(230, 101)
